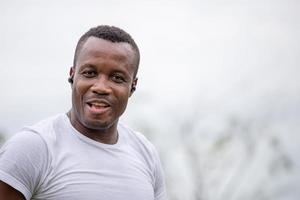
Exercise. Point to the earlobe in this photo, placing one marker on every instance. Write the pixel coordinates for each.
(70, 80)
(133, 86)
(71, 75)
(132, 89)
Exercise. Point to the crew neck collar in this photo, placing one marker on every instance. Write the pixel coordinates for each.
(91, 141)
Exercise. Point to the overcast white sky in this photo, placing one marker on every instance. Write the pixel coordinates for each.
(239, 57)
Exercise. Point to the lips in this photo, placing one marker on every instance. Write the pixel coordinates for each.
(98, 106)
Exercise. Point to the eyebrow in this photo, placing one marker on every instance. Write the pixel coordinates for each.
(86, 65)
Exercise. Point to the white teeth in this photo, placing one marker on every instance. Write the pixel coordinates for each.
(99, 104)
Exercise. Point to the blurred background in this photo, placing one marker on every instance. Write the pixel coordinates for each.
(218, 91)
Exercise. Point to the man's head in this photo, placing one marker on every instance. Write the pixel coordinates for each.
(102, 79)
(110, 33)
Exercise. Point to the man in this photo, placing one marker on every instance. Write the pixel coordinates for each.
(86, 154)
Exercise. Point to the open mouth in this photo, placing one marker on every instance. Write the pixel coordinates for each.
(98, 107)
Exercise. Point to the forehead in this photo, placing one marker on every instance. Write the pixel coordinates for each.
(94, 47)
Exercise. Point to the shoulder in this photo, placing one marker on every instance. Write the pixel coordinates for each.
(23, 147)
(24, 141)
(48, 127)
(138, 142)
(135, 137)
(31, 143)
(23, 160)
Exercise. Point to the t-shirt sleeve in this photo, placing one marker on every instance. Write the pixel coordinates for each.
(22, 161)
(160, 186)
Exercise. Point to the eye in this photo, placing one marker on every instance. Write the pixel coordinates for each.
(89, 73)
(118, 78)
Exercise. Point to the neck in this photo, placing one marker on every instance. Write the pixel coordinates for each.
(103, 135)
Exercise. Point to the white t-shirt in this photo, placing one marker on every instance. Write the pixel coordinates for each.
(53, 161)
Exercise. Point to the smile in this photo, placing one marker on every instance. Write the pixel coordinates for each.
(98, 106)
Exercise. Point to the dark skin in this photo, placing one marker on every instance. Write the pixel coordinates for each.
(9, 193)
(102, 83)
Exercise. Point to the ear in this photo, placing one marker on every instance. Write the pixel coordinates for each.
(133, 86)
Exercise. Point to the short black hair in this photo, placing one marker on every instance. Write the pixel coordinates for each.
(110, 33)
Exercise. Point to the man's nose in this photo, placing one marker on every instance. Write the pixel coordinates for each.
(101, 86)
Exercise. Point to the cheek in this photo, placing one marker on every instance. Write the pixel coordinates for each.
(75, 101)
(122, 97)
(80, 88)
(77, 96)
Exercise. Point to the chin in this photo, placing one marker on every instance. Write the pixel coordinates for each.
(98, 125)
